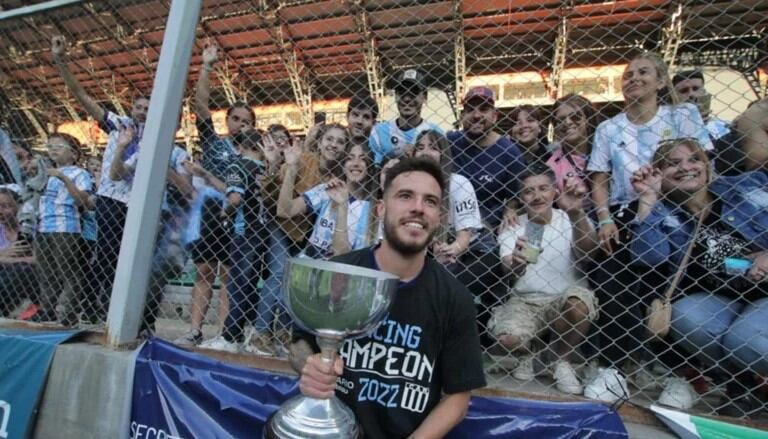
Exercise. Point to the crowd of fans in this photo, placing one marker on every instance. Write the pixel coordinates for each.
(565, 245)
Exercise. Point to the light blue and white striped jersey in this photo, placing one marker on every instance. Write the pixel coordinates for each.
(117, 190)
(58, 212)
(621, 147)
(718, 128)
(178, 157)
(318, 201)
(387, 138)
(90, 229)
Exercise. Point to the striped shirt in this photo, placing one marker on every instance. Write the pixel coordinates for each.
(387, 138)
(117, 190)
(178, 157)
(621, 147)
(58, 212)
(319, 203)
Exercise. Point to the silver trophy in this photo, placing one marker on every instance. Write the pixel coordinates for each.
(334, 302)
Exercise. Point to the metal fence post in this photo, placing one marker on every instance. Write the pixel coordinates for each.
(138, 245)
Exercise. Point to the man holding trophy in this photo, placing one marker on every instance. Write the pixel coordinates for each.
(412, 376)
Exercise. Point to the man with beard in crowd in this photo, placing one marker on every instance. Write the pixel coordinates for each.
(492, 163)
(430, 305)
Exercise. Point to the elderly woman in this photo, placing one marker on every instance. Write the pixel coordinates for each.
(721, 306)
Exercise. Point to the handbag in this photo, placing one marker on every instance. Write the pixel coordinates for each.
(659, 317)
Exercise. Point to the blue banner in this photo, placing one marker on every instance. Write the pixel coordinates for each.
(182, 395)
(179, 394)
(25, 357)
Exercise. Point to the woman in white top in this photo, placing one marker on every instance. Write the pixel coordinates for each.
(628, 140)
(463, 212)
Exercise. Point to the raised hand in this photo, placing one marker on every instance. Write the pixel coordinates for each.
(509, 219)
(646, 181)
(292, 153)
(194, 169)
(58, 46)
(337, 191)
(270, 150)
(210, 55)
(572, 197)
(125, 135)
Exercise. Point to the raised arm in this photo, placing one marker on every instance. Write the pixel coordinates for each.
(118, 170)
(287, 205)
(753, 125)
(571, 201)
(59, 49)
(203, 87)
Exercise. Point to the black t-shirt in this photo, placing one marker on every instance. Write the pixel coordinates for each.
(427, 346)
(716, 241)
(244, 177)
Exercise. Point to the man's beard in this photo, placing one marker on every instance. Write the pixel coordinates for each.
(405, 249)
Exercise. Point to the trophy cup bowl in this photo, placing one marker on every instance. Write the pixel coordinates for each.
(334, 302)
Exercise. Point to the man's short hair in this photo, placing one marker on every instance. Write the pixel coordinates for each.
(535, 170)
(687, 74)
(415, 164)
(364, 101)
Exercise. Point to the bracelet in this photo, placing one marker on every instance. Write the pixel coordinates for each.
(337, 230)
(605, 222)
(601, 209)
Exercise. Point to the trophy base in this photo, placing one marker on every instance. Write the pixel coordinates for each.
(302, 417)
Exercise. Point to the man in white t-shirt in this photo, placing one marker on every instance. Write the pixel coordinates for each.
(550, 293)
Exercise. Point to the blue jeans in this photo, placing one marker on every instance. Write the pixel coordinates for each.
(719, 330)
(271, 298)
(247, 260)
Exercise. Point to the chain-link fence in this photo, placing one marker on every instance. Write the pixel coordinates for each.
(603, 163)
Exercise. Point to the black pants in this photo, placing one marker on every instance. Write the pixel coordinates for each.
(110, 219)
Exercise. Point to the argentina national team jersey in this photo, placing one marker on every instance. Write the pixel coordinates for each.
(621, 147)
(718, 128)
(318, 201)
(387, 138)
(117, 190)
(58, 212)
(178, 157)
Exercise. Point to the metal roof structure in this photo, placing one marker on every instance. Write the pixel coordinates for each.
(330, 48)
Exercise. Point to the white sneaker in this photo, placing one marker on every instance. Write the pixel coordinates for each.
(193, 337)
(524, 369)
(260, 344)
(609, 385)
(678, 393)
(219, 343)
(565, 378)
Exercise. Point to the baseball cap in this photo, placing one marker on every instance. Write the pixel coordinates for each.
(410, 79)
(479, 93)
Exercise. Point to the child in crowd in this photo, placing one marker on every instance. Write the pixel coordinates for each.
(59, 244)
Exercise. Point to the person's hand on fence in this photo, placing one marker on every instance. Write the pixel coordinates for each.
(58, 46)
(759, 270)
(572, 197)
(318, 378)
(608, 233)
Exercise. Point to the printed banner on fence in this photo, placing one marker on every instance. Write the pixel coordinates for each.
(183, 395)
(25, 357)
